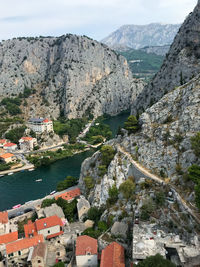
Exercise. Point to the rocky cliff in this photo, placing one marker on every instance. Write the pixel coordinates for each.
(180, 65)
(70, 74)
(138, 36)
(162, 145)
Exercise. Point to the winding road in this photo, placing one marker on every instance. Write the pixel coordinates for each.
(157, 179)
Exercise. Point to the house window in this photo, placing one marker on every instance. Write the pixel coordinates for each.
(19, 253)
(10, 255)
(48, 231)
(88, 253)
(39, 261)
(58, 241)
(58, 253)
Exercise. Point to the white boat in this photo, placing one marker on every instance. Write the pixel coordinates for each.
(38, 180)
(10, 173)
(30, 170)
(53, 192)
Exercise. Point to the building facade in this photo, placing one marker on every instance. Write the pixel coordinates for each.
(7, 158)
(27, 143)
(40, 125)
(10, 147)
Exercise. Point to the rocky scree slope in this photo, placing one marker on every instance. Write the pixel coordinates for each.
(74, 75)
(139, 36)
(162, 144)
(180, 64)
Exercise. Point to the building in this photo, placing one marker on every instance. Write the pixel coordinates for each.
(9, 147)
(69, 195)
(18, 251)
(48, 227)
(7, 157)
(2, 142)
(40, 125)
(119, 229)
(39, 255)
(54, 209)
(27, 143)
(113, 256)
(86, 251)
(7, 238)
(82, 207)
(4, 223)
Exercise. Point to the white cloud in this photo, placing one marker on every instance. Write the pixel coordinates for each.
(96, 18)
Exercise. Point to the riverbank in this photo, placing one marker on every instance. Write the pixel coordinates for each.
(26, 167)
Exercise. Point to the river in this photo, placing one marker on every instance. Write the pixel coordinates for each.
(22, 187)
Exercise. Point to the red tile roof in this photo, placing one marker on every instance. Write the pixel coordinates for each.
(2, 141)
(48, 222)
(30, 229)
(6, 155)
(3, 217)
(54, 235)
(86, 244)
(9, 144)
(70, 194)
(24, 243)
(46, 120)
(113, 256)
(7, 238)
(27, 138)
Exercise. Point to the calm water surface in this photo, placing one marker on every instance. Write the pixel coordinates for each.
(22, 187)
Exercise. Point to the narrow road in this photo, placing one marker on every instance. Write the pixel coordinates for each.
(159, 180)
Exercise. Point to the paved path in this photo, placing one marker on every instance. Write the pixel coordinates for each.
(159, 180)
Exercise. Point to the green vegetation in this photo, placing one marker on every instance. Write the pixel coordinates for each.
(195, 143)
(15, 134)
(160, 198)
(12, 105)
(89, 182)
(68, 182)
(69, 208)
(4, 166)
(48, 157)
(99, 227)
(147, 209)
(147, 64)
(156, 261)
(113, 195)
(59, 264)
(72, 127)
(107, 154)
(131, 125)
(127, 188)
(194, 175)
(98, 132)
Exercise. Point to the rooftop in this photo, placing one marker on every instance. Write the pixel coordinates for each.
(38, 120)
(2, 141)
(3, 217)
(6, 155)
(39, 250)
(70, 194)
(7, 238)
(113, 256)
(9, 144)
(27, 138)
(30, 229)
(48, 222)
(24, 243)
(86, 245)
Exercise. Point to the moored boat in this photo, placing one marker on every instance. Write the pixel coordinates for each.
(16, 206)
(10, 173)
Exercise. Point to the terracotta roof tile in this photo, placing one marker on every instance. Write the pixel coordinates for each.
(54, 235)
(113, 256)
(24, 243)
(9, 144)
(39, 250)
(46, 120)
(48, 222)
(2, 141)
(3, 217)
(86, 244)
(6, 155)
(7, 238)
(70, 194)
(30, 229)
(27, 138)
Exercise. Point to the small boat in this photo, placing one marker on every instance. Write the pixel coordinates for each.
(53, 192)
(10, 173)
(38, 180)
(30, 170)
(1, 175)
(16, 206)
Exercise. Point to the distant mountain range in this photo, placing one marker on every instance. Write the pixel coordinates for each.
(139, 36)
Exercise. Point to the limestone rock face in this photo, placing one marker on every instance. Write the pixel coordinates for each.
(180, 65)
(167, 127)
(72, 75)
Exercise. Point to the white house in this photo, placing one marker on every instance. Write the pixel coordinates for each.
(10, 147)
(27, 143)
(40, 125)
(86, 251)
(7, 157)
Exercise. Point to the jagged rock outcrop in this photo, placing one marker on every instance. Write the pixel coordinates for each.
(163, 144)
(74, 75)
(138, 36)
(180, 65)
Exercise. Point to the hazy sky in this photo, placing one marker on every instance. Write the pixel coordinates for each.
(94, 18)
